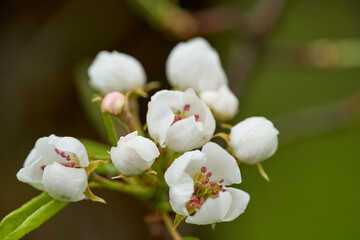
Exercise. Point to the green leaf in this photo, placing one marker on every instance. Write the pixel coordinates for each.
(190, 238)
(29, 216)
(177, 220)
(96, 147)
(109, 128)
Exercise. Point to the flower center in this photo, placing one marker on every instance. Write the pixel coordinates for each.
(72, 160)
(179, 115)
(204, 188)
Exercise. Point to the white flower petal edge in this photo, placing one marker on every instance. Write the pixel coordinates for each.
(134, 154)
(197, 186)
(254, 140)
(65, 151)
(64, 183)
(114, 71)
(222, 102)
(195, 64)
(179, 120)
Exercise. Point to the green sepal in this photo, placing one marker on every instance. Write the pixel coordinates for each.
(90, 195)
(93, 165)
(29, 216)
(178, 219)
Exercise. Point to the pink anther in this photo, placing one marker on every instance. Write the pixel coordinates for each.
(197, 206)
(68, 157)
(194, 199)
(62, 154)
(202, 200)
(212, 184)
(223, 190)
(203, 169)
(196, 117)
(57, 151)
(209, 174)
(186, 107)
(176, 118)
(214, 192)
(187, 204)
(43, 167)
(221, 181)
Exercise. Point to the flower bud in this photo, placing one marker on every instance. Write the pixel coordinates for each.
(195, 64)
(116, 72)
(222, 102)
(134, 154)
(113, 103)
(254, 140)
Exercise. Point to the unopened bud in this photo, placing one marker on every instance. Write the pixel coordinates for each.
(113, 103)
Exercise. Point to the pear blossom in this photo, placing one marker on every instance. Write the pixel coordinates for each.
(56, 165)
(114, 71)
(254, 139)
(195, 64)
(134, 154)
(113, 103)
(179, 120)
(198, 181)
(222, 102)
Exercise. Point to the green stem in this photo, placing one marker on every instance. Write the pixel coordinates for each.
(136, 190)
(169, 225)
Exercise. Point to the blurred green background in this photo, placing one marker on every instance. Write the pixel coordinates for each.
(296, 62)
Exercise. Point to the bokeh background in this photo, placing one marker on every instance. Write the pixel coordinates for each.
(296, 62)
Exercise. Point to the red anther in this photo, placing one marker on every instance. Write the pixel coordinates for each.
(202, 200)
(196, 117)
(207, 181)
(194, 199)
(68, 157)
(203, 169)
(214, 192)
(212, 184)
(194, 188)
(187, 204)
(209, 174)
(197, 206)
(43, 167)
(176, 118)
(62, 154)
(186, 107)
(223, 190)
(69, 164)
(221, 181)
(57, 151)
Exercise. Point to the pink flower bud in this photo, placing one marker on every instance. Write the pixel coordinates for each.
(113, 103)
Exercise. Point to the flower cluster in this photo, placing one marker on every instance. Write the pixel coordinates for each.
(179, 123)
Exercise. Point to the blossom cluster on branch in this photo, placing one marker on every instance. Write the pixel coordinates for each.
(173, 148)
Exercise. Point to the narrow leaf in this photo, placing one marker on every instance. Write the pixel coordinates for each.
(29, 216)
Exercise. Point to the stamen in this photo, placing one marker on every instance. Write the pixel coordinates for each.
(212, 184)
(43, 167)
(206, 181)
(202, 200)
(197, 206)
(221, 181)
(214, 192)
(203, 169)
(223, 190)
(69, 164)
(186, 107)
(57, 151)
(196, 117)
(209, 174)
(62, 154)
(187, 204)
(176, 118)
(194, 199)
(68, 157)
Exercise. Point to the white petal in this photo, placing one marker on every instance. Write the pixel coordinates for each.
(159, 119)
(239, 201)
(180, 182)
(31, 158)
(223, 102)
(134, 154)
(185, 135)
(72, 145)
(32, 175)
(64, 183)
(173, 99)
(212, 211)
(116, 72)
(195, 64)
(254, 140)
(221, 164)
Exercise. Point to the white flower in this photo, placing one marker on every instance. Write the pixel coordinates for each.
(223, 102)
(195, 64)
(116, 72)
(55, 165)
(134, 154)
(179, 120)
(113, 103)
(197, 186)
(254, 140)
